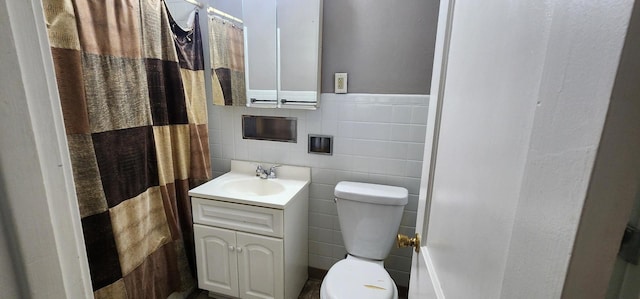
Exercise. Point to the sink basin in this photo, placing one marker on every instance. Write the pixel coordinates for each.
(240, 185)
(253, 187)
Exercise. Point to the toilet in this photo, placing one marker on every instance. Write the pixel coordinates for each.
(369, 216)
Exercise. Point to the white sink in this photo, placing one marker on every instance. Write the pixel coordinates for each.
(254, 186)
(240, 185)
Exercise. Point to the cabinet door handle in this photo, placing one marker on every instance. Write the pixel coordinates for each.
(239, 249)
(231, 247)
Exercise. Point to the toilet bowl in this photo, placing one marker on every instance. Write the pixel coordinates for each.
(358, 278)
(369, 216)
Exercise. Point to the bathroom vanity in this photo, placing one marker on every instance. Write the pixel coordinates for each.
(251, 233)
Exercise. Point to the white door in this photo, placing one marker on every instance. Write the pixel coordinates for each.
(261, 267)
(421, 284)
(518, 107)
(215, 248)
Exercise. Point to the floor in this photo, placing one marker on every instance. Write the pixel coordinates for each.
(311, 290)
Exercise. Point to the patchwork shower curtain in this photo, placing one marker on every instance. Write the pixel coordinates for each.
(137, 143)
(226, 45)
(191, 60)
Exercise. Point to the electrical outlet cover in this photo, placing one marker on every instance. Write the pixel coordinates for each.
(340, 83)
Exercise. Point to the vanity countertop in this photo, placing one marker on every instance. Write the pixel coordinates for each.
(241, 185)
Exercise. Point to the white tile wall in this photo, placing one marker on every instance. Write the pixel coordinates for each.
(377, 139)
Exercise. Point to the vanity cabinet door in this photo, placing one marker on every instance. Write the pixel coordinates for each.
(261, 266)
(216, 251)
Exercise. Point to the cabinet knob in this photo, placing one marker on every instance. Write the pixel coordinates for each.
(231, 247)
(239, 249)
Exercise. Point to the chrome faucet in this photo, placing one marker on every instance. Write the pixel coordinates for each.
(267, 174)
(260, 172)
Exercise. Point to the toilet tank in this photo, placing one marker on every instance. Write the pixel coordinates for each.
(369, 216)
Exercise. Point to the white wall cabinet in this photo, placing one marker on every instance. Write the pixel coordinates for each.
(283, 42)
(247, 251)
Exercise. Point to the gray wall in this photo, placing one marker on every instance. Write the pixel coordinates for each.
(386, 46)
(232, 7)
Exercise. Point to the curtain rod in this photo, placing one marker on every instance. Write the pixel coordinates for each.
(214, 11)
(194, 2)
(224, 14)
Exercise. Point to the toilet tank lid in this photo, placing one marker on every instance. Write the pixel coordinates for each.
(372, 193)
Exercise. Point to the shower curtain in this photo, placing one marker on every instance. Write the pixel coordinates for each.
(191, 60)
(226, 45)
(137, 144)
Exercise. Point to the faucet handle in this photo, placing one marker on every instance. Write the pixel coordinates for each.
(273, 167)
(272, 171)
(259, 170)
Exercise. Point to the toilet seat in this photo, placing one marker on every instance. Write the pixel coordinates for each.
(358, 278)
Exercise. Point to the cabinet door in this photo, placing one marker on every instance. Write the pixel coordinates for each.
(261, 268)
(299, 44)
(260, 52)
(216, 259)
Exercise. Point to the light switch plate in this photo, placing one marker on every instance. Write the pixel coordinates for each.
(340, 83)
